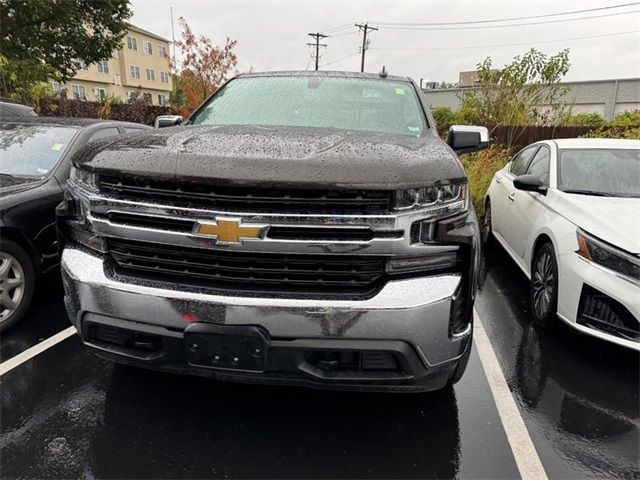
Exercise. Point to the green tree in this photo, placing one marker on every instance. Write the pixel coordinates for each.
(527, 91)
(44, 39)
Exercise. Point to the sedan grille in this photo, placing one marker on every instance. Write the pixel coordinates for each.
(247, 199)
(245, 272)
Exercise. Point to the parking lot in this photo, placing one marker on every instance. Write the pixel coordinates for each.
(66, 413)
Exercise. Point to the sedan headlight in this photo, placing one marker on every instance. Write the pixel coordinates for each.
(608, 256)
(84, 178)
(439, 195)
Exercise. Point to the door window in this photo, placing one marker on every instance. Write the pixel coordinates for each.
(539, 166)
(104, 133)
(521, 160)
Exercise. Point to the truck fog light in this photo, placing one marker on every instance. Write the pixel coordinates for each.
(435, 261)
(423, 232)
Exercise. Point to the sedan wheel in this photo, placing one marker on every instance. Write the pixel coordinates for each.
(16, 283)
(544, 286)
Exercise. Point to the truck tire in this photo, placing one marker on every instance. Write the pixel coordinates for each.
(17, 282)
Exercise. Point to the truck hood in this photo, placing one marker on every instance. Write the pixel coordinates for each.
(615, 220)
(278, 156)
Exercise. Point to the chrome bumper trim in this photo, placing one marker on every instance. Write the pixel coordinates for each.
(415, 310)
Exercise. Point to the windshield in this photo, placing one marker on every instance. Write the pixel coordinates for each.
(612, 172)
(344, 103)
(32, 150)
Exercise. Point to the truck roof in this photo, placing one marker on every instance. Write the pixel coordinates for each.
(326, 73)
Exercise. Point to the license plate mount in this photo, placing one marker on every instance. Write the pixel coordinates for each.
(226, 347)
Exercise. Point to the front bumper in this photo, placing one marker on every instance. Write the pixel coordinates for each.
(408, 319)
(578, 279)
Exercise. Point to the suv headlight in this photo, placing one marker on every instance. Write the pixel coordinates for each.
(439, 195)
(84, 178)
(608, 256)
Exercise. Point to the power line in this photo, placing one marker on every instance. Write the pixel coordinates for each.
(546, 22)
(339, 59)
(317, 45)
(339, 27)
(506, 19)
(506, 44)
(365, 45)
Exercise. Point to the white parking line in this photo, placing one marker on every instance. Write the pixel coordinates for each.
(28, 354)
(524, 452)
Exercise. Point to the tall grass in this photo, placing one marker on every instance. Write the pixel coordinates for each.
(480, 168)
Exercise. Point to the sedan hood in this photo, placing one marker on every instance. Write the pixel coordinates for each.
(278, 156)
(11, 185)
(615, 220)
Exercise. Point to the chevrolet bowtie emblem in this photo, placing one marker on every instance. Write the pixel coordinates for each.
(229, 231)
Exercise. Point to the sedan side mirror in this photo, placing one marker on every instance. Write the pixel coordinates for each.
(466, 138)
(529, 183)
(167, 121)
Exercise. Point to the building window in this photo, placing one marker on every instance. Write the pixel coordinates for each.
(148, 49)
(101, 94)
(162, 99)
(132, 43)
(164, 77)
(148, 98)
(103, 66)
(78, 92)
(162, 51)
(55, 86)
(151, 74)
(135, 71)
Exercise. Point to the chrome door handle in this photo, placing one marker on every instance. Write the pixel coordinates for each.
(512, 197)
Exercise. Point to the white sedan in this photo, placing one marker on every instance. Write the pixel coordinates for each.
(568, 213)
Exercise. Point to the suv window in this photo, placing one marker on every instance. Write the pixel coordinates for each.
(104, 133)
(539, 166)
(521, 160)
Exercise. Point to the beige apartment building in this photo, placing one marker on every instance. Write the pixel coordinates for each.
(142, 64)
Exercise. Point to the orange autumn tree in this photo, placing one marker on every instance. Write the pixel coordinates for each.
(203, 67)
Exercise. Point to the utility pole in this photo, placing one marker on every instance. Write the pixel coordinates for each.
(317, 44)
(365, 45)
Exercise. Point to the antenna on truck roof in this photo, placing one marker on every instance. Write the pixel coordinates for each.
(383, 72)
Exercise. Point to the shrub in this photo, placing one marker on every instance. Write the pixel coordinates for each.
(587, 119)
(445, 117)
(627, 119)
(480, 168)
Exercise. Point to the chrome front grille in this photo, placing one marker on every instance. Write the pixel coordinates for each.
(247, 199)
(297, 275)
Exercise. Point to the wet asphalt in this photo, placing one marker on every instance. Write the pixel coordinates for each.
(68, 414)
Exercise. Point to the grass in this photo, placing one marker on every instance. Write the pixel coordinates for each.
(480, 168)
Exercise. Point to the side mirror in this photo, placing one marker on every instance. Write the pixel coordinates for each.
(465, 138)
(529, 183)
(167, 121)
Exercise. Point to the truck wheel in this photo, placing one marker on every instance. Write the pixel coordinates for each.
(544, 286)
(17, 281)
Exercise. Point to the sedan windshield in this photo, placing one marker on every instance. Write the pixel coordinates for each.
(325, 102)
(31, 150)
(605, 172)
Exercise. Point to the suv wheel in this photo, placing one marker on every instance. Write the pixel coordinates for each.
(16, 283)
(544, 286)
(487, 233)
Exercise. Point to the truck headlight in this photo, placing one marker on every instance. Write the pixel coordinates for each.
(84, 178)
(438, 195)
(608, 256)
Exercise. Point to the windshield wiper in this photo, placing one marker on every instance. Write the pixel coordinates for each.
(590, 192)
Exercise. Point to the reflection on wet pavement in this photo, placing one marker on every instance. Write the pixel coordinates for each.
(579, 395)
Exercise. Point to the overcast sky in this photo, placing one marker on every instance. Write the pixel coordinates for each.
(272, 35)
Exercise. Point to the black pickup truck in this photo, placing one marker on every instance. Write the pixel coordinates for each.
(305, 228)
